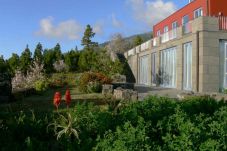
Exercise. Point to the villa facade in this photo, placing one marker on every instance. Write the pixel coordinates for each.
(188, 51)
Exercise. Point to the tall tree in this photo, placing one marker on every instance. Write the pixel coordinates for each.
(57, 51)
(49, 58)
(71, 60)
(3, 65)
(38, 54)
(86, 40)
(25, 60)
(117, 44)
(14, 62)
(137, 41)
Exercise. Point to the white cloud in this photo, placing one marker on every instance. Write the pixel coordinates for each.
(116, 22)
(151, 12)
(69, 29)
(98, 28)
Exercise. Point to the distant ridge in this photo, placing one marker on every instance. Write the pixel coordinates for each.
(145, 36)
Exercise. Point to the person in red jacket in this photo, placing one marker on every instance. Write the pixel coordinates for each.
(67, 97)
(57, 99)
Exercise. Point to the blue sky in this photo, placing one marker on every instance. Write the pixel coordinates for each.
(25, 22)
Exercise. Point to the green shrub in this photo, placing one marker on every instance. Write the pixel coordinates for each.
(92, 82)
(94, 87)
(152, 124)
(41, 86)
(57, 80)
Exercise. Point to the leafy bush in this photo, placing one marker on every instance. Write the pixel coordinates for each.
(41, 86)
(153, 124)
(92, 82)
(94, 87)
(57, 80)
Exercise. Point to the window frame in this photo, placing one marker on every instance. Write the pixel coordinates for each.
(199, 11)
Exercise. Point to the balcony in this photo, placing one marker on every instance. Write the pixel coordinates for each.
(169, 36)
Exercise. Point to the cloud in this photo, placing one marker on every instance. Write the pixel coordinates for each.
(115, 22)
(98, 27)
(151, 12)
(69, 29)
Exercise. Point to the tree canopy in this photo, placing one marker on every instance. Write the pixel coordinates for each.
(87, 39)
(38, 53)
(25, 60)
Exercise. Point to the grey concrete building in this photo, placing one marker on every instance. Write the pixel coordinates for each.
(189, 57)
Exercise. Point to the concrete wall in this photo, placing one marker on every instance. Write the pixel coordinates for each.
(205, 38)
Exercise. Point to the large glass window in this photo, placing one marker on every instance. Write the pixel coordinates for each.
(174, 29)
(186, 24)
(158, 33)
(198, 13)
(143, 75)
(168, 68)
(225, 66)
(187, 80)
(153, 66)
(185, 19)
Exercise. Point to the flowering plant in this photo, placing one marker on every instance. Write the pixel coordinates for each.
(57, 99)
(67, 97)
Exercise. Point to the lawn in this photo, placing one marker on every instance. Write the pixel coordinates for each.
(44, 102)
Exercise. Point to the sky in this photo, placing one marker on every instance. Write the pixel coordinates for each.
(50, 22)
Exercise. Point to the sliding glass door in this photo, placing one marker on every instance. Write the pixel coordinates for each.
(143, 74)
(168, 68)
(187, 80)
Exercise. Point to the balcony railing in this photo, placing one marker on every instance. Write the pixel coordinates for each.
(222, 22)
(169, 36)
(187, 28)
(146, 45)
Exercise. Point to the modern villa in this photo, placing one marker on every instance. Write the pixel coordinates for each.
(188, 50)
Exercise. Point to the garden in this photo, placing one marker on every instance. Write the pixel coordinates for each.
(152, 124)
(56, 104)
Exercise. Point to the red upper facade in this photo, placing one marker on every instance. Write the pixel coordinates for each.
(191, 11)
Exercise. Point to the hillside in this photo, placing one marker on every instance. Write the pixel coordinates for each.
(145, 36)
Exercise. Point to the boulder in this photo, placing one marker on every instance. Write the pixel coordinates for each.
(107, 89)
(125, 94)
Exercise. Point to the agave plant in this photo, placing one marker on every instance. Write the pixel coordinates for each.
(64, 126)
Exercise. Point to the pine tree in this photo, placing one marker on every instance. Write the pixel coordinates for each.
(57, 51)
(25, 60)
(38, 54)
(86, 40)
(3, 65)
(49, 58)
(71, 60)
(14, 62)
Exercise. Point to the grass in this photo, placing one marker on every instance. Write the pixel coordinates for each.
(44, 102)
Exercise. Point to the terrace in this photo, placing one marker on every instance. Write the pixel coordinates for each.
(198, 24)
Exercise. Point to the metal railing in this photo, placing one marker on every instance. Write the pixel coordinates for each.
(222, 22)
